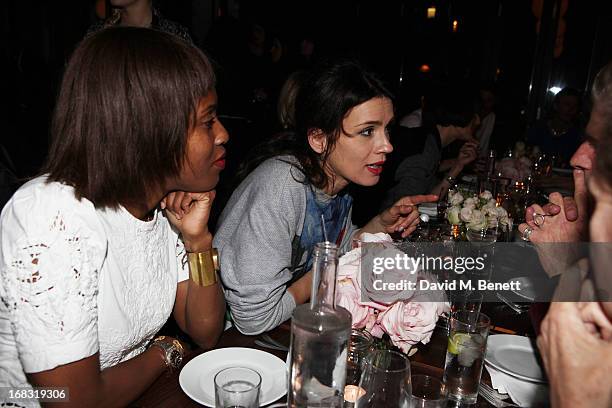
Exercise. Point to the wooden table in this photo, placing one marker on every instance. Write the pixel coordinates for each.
(166, 391)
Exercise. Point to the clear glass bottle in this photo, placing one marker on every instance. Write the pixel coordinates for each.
(491, 164)
(320, 333)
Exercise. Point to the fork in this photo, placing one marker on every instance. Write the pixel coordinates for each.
(493, 397)
(266, 341)
(270, 346)
(518, 309)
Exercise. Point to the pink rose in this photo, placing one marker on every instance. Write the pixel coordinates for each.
(407, 323)
(349, 264)
(373, 327)
(347, 296)
(349, 268)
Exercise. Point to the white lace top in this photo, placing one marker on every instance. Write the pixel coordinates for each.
(76, 280)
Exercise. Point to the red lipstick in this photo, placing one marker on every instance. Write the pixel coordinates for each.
(376, 168)
(220, 163)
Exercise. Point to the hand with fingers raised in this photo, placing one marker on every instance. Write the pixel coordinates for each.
(562, 220)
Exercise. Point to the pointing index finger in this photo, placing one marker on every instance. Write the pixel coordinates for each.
(580, 191)
(418, 199)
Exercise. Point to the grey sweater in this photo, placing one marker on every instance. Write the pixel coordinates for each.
(258, 242)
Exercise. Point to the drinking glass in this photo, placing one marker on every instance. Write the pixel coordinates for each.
(467, 344)
(460, 299)
(237, 387)
(482, 236)
(467, 300)
(482, 245)
(385, 380)
(360, 344)
(427, 392)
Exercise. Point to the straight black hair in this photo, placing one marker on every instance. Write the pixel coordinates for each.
(126, 102)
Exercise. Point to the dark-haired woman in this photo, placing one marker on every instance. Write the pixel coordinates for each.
(268, 229)
(91, 264)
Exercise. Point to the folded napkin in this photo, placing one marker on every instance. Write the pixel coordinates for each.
(430, 209)
(523, 393)
(469, 178)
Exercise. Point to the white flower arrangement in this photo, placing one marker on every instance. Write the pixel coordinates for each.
(476, 212)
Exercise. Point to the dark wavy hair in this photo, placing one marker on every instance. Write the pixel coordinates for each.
(325, 97)
(126, 102)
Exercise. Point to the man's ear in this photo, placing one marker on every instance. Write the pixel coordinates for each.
(317, 140)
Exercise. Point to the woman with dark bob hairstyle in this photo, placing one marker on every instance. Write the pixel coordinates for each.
(270, 225)
(98, 251)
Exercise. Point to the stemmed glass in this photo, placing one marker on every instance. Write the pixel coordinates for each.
(385, 380)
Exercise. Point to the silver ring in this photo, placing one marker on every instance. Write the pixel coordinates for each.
(527, 233)
(538, 219)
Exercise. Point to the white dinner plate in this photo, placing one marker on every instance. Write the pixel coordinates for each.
(527, 288)
(197, 376)
(515, 356)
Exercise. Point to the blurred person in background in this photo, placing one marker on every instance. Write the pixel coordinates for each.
(285, 108)
(448, 116)
(561, 133)
(140, 13)
(485, 108)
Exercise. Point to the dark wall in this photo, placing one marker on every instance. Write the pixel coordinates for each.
(495, 41)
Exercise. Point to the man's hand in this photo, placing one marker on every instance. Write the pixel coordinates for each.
(594, 317)
(562, 220)
(467, 153)
(578, 363)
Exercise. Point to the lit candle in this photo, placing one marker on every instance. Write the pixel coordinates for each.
(456, 231)
(352, 393)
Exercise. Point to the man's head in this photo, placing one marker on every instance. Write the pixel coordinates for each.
(601, 118)
(451, 107)
(567, 104)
